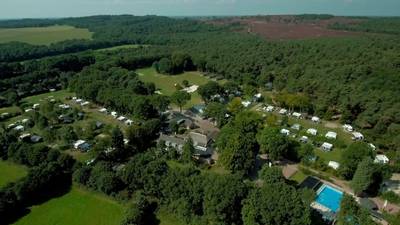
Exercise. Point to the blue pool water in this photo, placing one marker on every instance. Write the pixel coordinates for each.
(329, 197)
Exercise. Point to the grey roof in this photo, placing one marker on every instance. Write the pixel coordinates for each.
(199, 138)
(172, 139)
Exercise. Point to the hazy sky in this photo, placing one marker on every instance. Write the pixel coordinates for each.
(63, 8)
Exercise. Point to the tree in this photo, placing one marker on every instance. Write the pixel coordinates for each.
(352, 214)
(188, 151)
(306, 152)
(236, 143)
(235, 106)
(273, 143)
(223, 195)
(117, 139)
(363, 177)
(185, 83)
(180, 98)
(275, 204)
(140, 212)
(208, 90)
(165, 66)
(354, 154)
(217, 111)
(271, 174)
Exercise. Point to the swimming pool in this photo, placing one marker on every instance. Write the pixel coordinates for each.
(329, 197)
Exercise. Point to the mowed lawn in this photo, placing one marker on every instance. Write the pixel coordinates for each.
(43, 35)
(58, 95)
(78, 207)
(10, 172)
(166, 83)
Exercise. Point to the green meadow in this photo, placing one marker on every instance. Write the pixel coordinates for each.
(78, 207)
(10, 172)
(43, 35)
(166, 83)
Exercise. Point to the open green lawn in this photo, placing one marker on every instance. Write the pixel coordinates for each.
(166, 83)
(10, 172)
(58, 95)
(119, 47)
(298, 177)
(43, 35)
(167, 218)
(12, 109)
(78, 207)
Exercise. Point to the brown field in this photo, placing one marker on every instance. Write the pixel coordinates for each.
(288, 27)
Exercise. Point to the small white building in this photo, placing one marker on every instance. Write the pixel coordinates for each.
(24, 136)
(334, 165)
(283, 111)
(74, 98)
(304, 139)
(103, 110)
(331, 135)
(52, 90)
(25, 121)
(327, 146)
(85, 103)
(81, 145)
(78, 100)
(11, 125)
(348, 128)
(35, 106)
(285, 132)
(5, 114)
(128, 122)
(297, 115)
(28, 110)
(312, 131)
(357, 136)
(315, 119)
(382, 159)
(257, 97)
(19, 128)
(372, 146)
(114, 114)
(64, 106)
(270, 108)
(296, 126)
(121, 118)
(246, 103)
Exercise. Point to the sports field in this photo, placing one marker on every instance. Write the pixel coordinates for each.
(10, 172)
(78, 207)
(43, 35)
(166, 83)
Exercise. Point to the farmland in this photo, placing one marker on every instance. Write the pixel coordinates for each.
(77, 207)
(166, 83)
(43, 35)
(10, 172)
(287, 27)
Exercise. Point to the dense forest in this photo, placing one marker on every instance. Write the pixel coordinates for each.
(355, 79)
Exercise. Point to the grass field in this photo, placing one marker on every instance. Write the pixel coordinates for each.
(58, 95)
(119, 47)
(166, 83)
(78, 207)
(10, 172)
(298, 177)
(43, 35)
(12, 109)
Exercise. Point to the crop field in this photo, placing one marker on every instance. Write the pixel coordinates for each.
(76, 207)
(10, 172)
(166, 83)
(43, 35)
